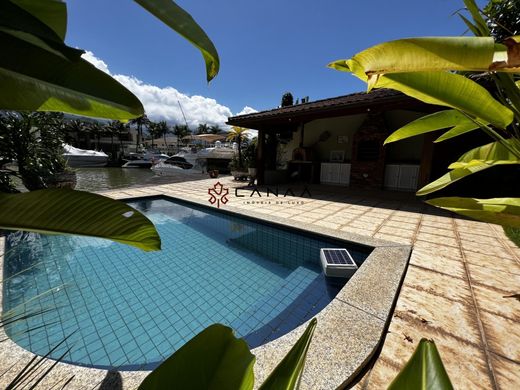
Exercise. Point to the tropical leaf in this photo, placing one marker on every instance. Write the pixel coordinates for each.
(286, 375)
(501, 211)
(462, 128)
(431, 54)
(182, 22)
(436, 121)
(213, 359)
(480, 23)
(59, 211)
(475, 160)
(424, 370)
(450, 90)
(51, 12)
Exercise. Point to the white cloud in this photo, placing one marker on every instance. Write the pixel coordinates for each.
(163, 103)
(247, 110)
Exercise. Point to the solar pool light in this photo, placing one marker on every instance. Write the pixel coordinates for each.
(337, 262)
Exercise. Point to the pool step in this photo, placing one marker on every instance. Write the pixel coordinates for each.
(269, 307)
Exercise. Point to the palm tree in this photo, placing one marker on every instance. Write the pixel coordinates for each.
(180, 131)
(139, 122)
(238, 134)
(97, 130)
(152, 131)
(203, 128)
(215, 129)
(118, 128)
(163, 129)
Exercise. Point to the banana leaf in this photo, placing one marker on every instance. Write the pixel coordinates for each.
(53, 13)
(60, 211)
(424, 370)
(182, 22)
(286, 376)
(453, 119)
(434, 54)
(213, 359)
(500, 211)
(475, 160)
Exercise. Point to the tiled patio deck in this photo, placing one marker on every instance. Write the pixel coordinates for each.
(457, 290)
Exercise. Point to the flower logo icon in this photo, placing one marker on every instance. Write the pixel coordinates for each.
(218, 194)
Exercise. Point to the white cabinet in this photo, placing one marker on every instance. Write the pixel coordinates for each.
(401, 177)
(335, 173)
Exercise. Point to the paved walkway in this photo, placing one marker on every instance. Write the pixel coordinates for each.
(457, 291)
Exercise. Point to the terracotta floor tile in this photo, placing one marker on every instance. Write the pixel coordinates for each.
(444, 317)
(447, 232)
(438, 249)
(492, 262)
(436, 239)
(495, 302)
(499, 335)
(394, 231)
(401, 225)
(507, 373)
(504, 282)
(434, 262)
(465, 373)
(396, 239)
(438, 284)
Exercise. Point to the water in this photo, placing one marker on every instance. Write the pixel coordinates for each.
(117, 307)
(101, 179)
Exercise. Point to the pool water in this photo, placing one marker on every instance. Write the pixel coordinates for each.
(116, 307)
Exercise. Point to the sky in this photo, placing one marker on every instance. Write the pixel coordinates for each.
(266, 48)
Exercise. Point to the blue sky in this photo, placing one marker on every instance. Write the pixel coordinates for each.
(266, 48)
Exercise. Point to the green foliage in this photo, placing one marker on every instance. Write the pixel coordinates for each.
(182, 22)
(423, 68)
(216, 359)
(501, 211)
(288, 373)
(76, 212)
(39, 72)
(287, 99)
(503, 18)
(35, 142)
(513, 234)
(424, 370)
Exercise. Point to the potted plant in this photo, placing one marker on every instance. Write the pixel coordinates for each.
(238, 171)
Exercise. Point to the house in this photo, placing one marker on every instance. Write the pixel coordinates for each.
(340, 141)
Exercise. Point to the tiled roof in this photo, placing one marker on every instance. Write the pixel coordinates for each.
(355, 101)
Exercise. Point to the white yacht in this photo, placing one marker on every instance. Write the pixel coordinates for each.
(144, 160)
(80, 158)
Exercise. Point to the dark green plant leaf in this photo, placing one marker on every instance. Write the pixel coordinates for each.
(36, 79)
(436, 121)
(424, 370)
(213, 359)
(475, 160)
(59, 211)
(286, 375)
(182, 22)
(500, 211)
(53, 13)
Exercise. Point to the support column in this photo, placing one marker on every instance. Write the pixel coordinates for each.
(426, 159)
(260, 157)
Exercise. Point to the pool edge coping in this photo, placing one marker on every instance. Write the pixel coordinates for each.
(366, 314)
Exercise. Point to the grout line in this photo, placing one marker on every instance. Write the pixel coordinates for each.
(485, 346)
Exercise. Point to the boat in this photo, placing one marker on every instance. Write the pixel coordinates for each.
(81, 158)
(177, 165)
(144, 160)
(189, 160)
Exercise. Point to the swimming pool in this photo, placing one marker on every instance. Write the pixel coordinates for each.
(117, 307)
